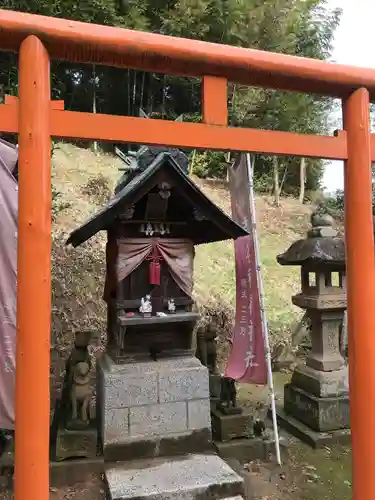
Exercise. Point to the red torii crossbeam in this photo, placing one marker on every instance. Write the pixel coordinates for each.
(36, 119)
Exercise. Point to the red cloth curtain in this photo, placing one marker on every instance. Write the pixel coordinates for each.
(178, 254)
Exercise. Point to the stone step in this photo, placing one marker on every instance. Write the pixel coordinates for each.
(187, 477)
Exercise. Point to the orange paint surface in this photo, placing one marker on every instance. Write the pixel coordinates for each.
(215, 100)
(34, 275)
(91, 43)
(360, 262)
(76, 125)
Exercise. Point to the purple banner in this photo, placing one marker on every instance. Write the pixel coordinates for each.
(247, 360)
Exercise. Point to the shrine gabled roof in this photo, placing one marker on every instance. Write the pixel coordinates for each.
(217, 226)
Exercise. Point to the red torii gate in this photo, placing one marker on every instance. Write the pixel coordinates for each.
(36, 119)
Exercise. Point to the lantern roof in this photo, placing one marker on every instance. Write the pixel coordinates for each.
(321, 247)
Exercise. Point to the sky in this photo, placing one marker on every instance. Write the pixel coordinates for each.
(354, 45)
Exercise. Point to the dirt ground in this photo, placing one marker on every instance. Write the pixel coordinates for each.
(91, 487)
(306, 475)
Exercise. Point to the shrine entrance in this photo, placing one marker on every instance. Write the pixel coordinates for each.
(36, 118)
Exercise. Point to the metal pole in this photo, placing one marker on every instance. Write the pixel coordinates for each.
(263, 310)
(34, 275)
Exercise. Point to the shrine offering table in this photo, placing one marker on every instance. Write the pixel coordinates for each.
(171, 334)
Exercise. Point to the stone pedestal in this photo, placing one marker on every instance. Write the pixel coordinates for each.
(76, 443)
(231, 426)
(318, 401)
(234, 438)
(320, 414)
(153, 408)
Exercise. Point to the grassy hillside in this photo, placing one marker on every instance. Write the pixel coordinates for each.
(84, 181)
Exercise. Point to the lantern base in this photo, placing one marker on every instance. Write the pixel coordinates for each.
(312, 438)
(320, 414)
(321, 384)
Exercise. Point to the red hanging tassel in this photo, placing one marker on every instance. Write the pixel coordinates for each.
(154, 270)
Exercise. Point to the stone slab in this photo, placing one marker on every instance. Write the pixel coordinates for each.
(199, 416)
(169, 364)
(321, 384)
(116, 427)
(323, 302)
(309, 436)
(149, 382)
(159, 446)
(159, 419)
(250, 449)
(191, 424)
(184, 478)
(228, 427)
(127, 388)
(320, 414)
(183, 384)
(244, 450)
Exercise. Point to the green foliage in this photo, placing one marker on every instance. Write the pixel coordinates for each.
(210, 164)
(301, 27)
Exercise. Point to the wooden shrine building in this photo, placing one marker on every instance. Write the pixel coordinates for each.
(155, 218)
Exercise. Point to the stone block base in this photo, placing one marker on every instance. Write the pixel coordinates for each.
(321, 384)
(320, 414)
(228, 427)
(190, 442)
(308, 435)
(76, 443)
(194, 477)
(153, 408)
(245, 450)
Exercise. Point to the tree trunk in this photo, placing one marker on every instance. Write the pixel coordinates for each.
(95, 143)
(276, 184)
(302, 176)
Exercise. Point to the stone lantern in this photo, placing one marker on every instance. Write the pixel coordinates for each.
(316, 402)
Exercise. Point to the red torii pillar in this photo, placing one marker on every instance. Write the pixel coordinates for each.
(360, 263)
(34, 275)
